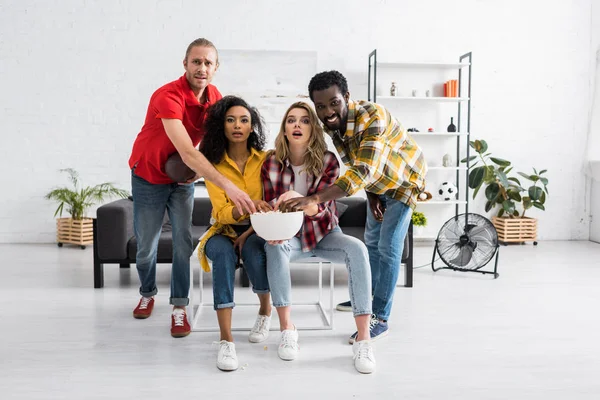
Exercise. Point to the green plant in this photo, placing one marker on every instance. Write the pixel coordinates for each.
(419, 219)
(79, 199)
(501, 189)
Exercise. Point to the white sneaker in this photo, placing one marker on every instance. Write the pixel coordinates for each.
(364, 358)
(226, 359)
(260, 330)
(288, 347)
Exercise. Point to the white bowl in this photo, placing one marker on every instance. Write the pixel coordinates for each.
(277, 225)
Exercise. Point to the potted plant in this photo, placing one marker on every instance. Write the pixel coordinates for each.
(507, 193)
(78, 228)
(419, 221)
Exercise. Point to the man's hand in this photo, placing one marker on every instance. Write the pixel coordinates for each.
(238, 244)
(262, 206)
(275, 242)
(240, 199)
(297, 204)
(375, 205)
(290, 194)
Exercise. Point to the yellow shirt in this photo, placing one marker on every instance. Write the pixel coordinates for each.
(250, 182)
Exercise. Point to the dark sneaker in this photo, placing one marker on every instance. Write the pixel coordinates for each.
(377, 328)
(144, 308)
(180, 326)
(345, 306)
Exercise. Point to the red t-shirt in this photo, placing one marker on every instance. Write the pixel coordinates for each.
(152, 146)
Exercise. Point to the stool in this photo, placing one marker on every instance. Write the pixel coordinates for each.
(199, 307)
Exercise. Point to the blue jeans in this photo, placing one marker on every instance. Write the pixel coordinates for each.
(385, 242)
(335, 247)
(149, 204)
(219, 249)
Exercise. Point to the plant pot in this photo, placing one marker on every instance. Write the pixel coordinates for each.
(516, 230)
(418, 230)
(74, 231)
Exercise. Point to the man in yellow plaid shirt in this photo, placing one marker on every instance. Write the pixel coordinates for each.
(387, 163)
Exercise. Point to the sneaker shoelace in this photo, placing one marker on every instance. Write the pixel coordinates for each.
(144, 303)
(178, 316)
(373, 322)
(287, 340)
(365, 351)
(259, 323)
(227, 347)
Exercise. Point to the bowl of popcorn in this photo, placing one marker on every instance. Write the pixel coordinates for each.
(277, 225)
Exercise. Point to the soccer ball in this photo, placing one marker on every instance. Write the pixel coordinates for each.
(448, 191)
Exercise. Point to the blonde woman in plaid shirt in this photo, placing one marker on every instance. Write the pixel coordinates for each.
(385, 161)
(301, 166)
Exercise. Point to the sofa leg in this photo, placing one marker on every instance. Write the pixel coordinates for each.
(244, 277)
(98, 275)
(98, 266)
(125, 265)
(408, 276)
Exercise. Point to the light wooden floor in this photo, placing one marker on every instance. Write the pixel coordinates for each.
(530, 334)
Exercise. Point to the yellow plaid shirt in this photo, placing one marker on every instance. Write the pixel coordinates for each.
(381, 157)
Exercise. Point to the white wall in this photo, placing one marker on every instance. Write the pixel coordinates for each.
(76, 76)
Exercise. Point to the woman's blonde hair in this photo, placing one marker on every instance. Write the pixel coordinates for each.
(313, 158)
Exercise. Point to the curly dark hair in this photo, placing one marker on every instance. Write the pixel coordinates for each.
(325, 80)
(214, 143)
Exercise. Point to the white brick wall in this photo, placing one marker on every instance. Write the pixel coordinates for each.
(76, 76)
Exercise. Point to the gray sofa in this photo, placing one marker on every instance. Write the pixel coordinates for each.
(115, 243)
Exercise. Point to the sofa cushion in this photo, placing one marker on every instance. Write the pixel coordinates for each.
(165, 244)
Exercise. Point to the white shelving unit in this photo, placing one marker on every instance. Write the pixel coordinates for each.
(420, 99)
(423, 112)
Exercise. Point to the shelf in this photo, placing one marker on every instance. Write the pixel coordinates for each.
(432, 65)
(438, 133)
(446, 168)
(424, 237)
(432, 99)
(441, 202)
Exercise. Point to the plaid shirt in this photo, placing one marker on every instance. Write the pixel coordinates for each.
(382, 158)
(278, 179)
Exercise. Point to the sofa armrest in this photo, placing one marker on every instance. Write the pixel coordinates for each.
(114, 229)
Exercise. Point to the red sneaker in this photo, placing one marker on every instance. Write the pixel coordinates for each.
(144, 308)
(180, 326)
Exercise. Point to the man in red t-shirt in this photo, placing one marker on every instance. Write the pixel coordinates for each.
(174, 123)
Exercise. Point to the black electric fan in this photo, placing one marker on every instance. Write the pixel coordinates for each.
(467, 242)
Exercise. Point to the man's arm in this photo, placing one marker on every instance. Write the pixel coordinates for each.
(201, 166)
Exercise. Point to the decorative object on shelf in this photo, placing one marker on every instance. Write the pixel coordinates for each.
(506, 191)
(412, 130)
(430, 130)
(447, 160)
(451, 88)
(419, 221)
(415, 93)
(427, 93)
(451, 127)
(448, 191)
(393, 89)
(78, 229)
(424, 196)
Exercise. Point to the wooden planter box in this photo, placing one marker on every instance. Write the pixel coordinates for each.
(516, 230)
(74, 231)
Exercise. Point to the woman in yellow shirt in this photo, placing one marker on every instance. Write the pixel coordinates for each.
(234, 143)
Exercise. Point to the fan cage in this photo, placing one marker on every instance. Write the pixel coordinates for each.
(463, 233)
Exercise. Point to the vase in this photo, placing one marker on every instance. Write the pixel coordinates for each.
(451, 127)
